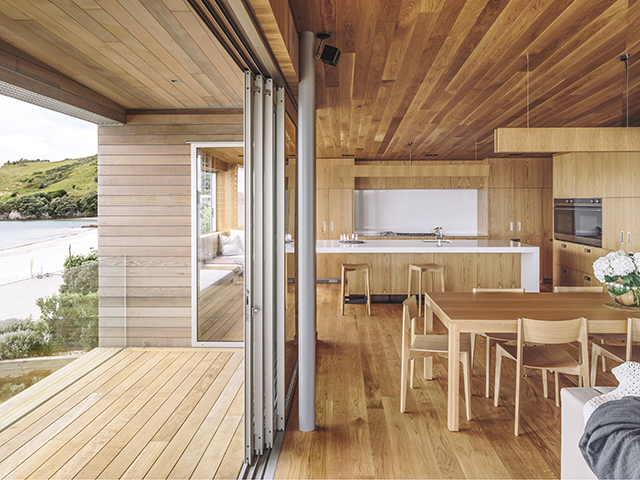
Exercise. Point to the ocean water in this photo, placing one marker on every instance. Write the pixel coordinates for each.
(14, 233)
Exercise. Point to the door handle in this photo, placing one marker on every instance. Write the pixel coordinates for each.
(332, 226)
(563, 270)
(587, 250)
(562, 245)
(519, 226)
(588, 279)
(324, 226)
(622, 237)
(511, 226)
(628, 238)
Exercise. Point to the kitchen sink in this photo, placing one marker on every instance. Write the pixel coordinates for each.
(437, 241)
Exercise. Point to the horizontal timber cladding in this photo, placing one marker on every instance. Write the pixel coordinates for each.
(144, 212)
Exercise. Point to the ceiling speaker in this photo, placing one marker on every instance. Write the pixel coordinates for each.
(330, 55)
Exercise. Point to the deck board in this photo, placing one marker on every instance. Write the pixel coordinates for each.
(135, 415)
(362, 434)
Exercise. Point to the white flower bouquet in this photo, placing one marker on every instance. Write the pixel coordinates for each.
(619, 272)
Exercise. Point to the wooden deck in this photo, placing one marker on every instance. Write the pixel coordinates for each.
(362, 434)
(142, 413)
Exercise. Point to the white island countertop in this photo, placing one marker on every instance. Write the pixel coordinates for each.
(419, 246)
(529, 254)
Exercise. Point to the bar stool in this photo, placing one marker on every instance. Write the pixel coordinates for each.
(422, 269)
(354, 267)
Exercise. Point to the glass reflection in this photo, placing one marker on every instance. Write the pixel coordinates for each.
(221, 245)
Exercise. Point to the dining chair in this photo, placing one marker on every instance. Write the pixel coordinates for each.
(620, 353)
(603, 337)
(492, 338)
(548, 353)
(563, 289)
(424, 346)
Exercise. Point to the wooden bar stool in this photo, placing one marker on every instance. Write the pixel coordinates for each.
(354, 267)
(422, 269)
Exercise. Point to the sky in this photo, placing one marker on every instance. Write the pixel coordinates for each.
(28, 131)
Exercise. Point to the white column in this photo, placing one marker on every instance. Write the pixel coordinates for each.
(307, 235)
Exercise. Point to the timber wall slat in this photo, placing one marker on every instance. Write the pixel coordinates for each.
(144, 212)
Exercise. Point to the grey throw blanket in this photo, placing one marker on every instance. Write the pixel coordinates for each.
(611, 440)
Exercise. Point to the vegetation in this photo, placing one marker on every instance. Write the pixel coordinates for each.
(70, 318)
(23, 338)
(77, 177)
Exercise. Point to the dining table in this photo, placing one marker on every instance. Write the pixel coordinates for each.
(498, 312)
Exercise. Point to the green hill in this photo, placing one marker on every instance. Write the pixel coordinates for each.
(77, 176)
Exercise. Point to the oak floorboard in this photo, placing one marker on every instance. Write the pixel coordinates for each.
(358, 410)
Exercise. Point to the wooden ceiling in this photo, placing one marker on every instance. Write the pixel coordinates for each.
(127, 50)
(443, 74)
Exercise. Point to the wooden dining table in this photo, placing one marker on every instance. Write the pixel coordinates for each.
(498, 312)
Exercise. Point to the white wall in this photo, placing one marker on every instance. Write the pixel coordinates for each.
(456, 211)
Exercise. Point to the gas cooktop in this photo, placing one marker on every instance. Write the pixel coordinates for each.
(407, 234)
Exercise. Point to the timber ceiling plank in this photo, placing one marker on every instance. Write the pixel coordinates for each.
(445, 74)
(138, 53)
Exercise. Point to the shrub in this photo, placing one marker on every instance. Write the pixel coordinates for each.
(32, 205)
(63, 207)
(16, 325)
(23, 343)
(56, 194)
(70, 319)
(88, 204)
(80, 274)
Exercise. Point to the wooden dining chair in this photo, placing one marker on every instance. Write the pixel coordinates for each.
(620, 353)
(602, 337)
(563, 289)
(548, 353)
(424, 346)
(492, 338)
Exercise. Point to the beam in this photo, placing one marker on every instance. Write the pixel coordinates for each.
(276, 21)
(23, 78)
(566, 140)
(410, 171)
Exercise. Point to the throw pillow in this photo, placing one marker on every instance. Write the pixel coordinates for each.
(230, 245)
(240, 235)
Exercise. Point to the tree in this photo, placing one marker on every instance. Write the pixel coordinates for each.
(63, 207)
(88, 205)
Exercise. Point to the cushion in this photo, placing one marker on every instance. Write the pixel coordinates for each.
(240, 235)
(230, 245)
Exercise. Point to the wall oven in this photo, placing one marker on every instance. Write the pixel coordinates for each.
(578, 220)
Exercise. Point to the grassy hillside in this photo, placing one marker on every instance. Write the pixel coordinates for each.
(77, 176)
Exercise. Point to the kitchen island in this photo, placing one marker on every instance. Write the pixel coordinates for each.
(468, 263)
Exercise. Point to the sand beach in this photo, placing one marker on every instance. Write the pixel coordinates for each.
(20, 285)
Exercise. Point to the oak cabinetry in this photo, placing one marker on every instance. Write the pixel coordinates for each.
(334, 212)
(515, 212)
(620, 224)
(573, 264)
(334, 200)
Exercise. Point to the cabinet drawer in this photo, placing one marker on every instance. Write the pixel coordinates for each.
(568, 277)
(564, 253)
(586, 256)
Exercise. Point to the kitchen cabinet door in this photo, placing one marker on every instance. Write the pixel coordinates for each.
(340, 208)
(502, 222)
(322, 213)
(528, 218)
(614, 219)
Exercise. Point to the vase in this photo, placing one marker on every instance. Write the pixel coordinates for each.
(623, 297)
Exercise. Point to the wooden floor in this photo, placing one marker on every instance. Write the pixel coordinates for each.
(362, 434)
(221, 314)
(143, 413)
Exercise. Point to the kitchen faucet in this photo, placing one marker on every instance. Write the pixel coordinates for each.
(438, 232)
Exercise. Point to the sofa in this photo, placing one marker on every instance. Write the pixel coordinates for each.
(572, 464)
